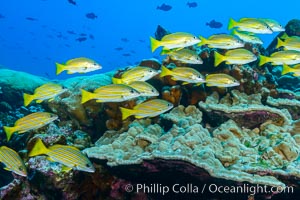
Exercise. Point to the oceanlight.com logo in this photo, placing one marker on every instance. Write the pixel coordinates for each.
(157, 188)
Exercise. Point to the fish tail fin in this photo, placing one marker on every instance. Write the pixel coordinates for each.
(165, 71)
(28, 98)
(165, 51)
(116, 80)
(234, 32)
(9, 131)
(59, 68)
(263, 60)
(218, 58)
(154, 44)
(203, 41)
(38, 149)
(231, 23)
(286, 69)
(280, 43)
(284, 36)
(126, 112)
(86, 96)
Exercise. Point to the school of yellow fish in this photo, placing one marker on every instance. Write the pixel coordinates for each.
(132, 83)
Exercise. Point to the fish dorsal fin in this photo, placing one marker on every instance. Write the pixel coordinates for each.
(81, 59)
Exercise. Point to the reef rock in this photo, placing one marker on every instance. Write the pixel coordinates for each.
(14, 83)
(246, 111)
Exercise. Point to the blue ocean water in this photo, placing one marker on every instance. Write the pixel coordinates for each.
(34, 34)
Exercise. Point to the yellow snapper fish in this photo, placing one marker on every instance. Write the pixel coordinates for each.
(110, 93)
(287, 69)
(289, 57)
(235, 56)
(151, 108)
(273, 24)
(12, 161)
(286, 37)
(78, 65)
(138, 73)
(247, 37)
(145, 89)
(30, 122)
(289, 43)
(183, 55)
(45, 92)
(221, 80)
(185, 74)
(69, 156)
(250, 25)
(221, 41)
(174, 40)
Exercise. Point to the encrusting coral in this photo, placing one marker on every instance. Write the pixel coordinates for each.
(227, 152)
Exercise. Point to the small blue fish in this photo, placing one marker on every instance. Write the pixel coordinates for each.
(164, 7)
(214, 24)
(192, 4)
(91, 15)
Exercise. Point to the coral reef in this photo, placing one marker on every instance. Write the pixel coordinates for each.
(227, 135)
(246, 111)
(228, 152)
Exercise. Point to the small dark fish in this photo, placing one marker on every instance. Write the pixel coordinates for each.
(59, 35)
(124, 40)
(81, 39)
(71, 32)
(164, 7)
(132, 51)
(126, 54)
(67, 45)
(119, 48)
(142, 41)
(72, 2)
(2, 16)
(214, 24)
(47, 75)
(31, 19)
(83, 34)
(91, 36)
(192, 4)
(91, 15)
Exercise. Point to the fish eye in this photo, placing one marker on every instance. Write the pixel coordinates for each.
(152, 90)
(88, 165)
(195, 37)
(150, 70)
(21, 168)
(132, 91)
